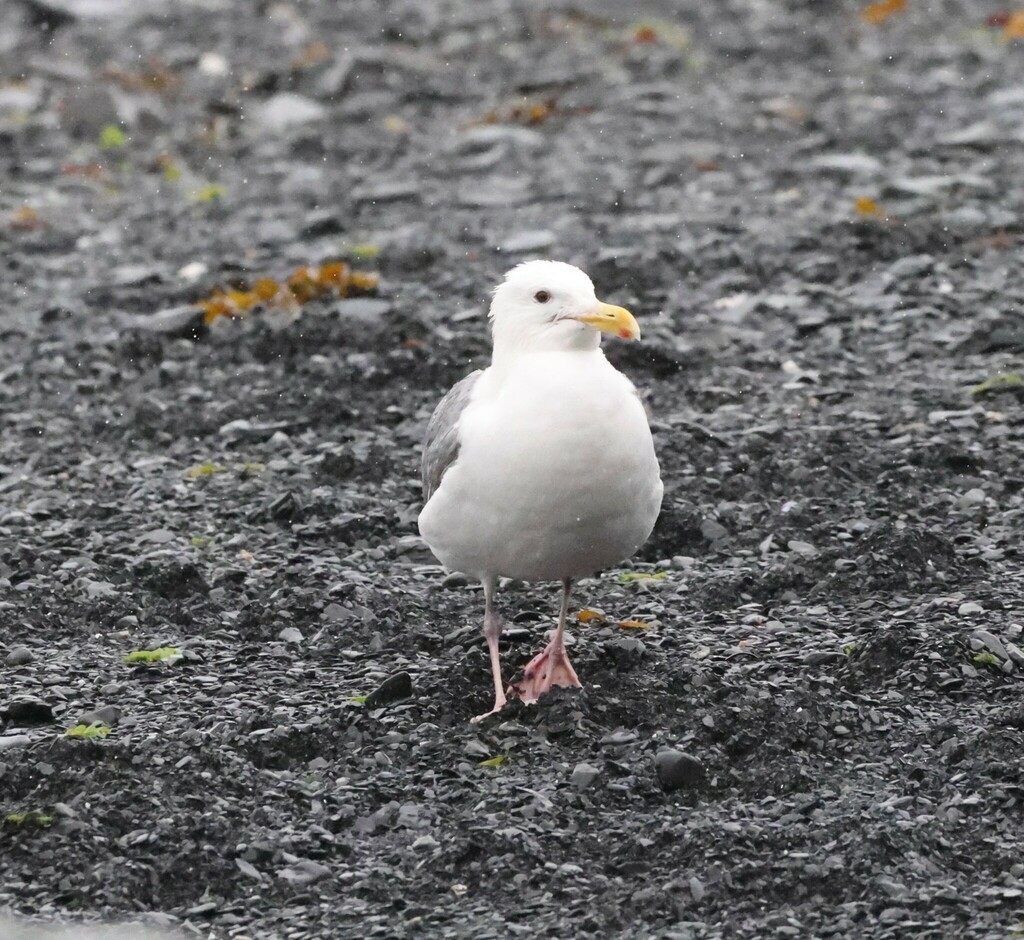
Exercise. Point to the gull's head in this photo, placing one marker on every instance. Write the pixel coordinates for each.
(551, 306)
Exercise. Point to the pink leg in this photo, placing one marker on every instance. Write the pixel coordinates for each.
(551, 667)
(492, 631)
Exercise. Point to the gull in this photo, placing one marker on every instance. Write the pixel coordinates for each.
(540, 467)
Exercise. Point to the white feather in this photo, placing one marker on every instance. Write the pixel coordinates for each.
(556, 475)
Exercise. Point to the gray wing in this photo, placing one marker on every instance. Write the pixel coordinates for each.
(441, 446)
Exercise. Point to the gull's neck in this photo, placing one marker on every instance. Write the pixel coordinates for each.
(512, 342)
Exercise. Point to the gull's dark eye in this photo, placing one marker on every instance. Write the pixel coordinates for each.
(542, 296)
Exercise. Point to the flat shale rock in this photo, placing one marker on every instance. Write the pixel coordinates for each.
(24, 929)
(584, 776)
(183, 321)
(108, 715)
(393, 689)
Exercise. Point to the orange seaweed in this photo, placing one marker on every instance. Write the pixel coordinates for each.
(878, 13)
(303, 285)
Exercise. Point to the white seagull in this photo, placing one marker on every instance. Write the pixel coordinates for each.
(541, 467)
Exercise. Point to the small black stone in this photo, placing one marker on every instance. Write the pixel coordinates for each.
(392, 689)
(322, 223)
(174, 580)
(677, 770)
(30, 712)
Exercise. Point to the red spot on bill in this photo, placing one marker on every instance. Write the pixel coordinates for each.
(625, 334)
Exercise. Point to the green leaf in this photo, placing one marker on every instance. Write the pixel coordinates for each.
(208, 193)
(112, 137)
(849, 648)
(365, 251)
(88, 731)
(204, 470)
(152, 656)
(35, 818)
(252, 468)
(986, 659)
(494, 761)
(627, 577)
(997, 383)
(200, 541)
(358, 700)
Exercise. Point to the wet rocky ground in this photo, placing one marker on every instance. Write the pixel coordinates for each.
(817, 730)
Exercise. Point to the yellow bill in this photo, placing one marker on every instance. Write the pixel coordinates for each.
(611, 319)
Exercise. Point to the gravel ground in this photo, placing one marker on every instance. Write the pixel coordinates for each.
(818, 731)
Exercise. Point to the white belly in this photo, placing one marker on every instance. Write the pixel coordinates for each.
(556, 476)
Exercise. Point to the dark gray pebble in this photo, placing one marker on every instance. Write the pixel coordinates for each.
(392, 689)
(677, 770)
(584, 775)
(620, 737)
(626, 649)
(820, 657)
(29, 712)
(455, 580)
(20, 656)
(108, 715)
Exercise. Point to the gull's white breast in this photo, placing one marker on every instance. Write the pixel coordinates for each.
(556, 475)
